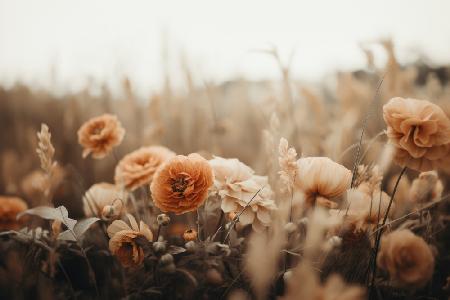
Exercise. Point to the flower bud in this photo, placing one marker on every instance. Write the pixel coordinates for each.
(166, 259)
(190, 235)
(163, 219)
(159, 247)
(190, 246)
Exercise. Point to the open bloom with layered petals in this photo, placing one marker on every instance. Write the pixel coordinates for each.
(138, 167)
(123, 240)
(104, 200)
(99, 135)
(406, 257)
(181, 184)
(322, 179)
(420, 131)
(10, 207)
(237, 185)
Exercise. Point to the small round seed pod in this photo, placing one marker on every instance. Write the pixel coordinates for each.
(190, 235)
(163, 219)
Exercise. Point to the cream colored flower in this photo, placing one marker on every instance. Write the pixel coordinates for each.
(99, 135)
(138, 167)
(321, 179)
(123, 241)
(10, 207)
(406, 257)
(104, 200)
(236, 185)
(181, 184)
(420, 131)
(365, 207)
(426, 188)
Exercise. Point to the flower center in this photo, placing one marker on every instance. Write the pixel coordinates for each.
(179, 185)
(97, 129)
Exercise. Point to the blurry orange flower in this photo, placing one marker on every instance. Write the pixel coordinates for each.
(9, 208)
(190, 235)
(123, 241)
(406, 257)
(181, 184)
(420, 131)
(321, 179)
(104, 200)
(99, 135)
(138, 167)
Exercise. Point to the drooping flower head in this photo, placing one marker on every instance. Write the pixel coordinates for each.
(100, 135)
(104, 200)
(237, 185)
(321, 179)
(138, 167)
(406, 257)
(10, 207)
(420, 131)
(181, 184)
(123, 241)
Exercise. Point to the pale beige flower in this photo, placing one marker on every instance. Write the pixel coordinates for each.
(406, 257)
(181, 184)
(287, 160)
(365, 207)
(10, 207)
(138, 167)
(123, 241)
(426, 188)
(304, 284)
(238, 187)
(104, 200)
(100, 135)
(321, 180)
(420, 131)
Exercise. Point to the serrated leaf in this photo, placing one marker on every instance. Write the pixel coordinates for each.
(66, 236)
(50, 213)
(45, 212)
(82, 226)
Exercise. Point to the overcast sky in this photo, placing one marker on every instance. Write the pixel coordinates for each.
(105, 39)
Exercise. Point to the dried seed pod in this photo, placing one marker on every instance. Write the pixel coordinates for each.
(163, 219)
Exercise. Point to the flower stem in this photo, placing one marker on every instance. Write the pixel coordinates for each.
(380, 232)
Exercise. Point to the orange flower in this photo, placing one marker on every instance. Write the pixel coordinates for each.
(406, 257)
(190, 235)
(99, 135)
(123, 241)
(9, 208)
(420, 131)
(321, 179)
(181, 184)
(138, 167)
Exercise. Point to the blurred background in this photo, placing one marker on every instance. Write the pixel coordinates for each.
(65, 45)
(225, 78)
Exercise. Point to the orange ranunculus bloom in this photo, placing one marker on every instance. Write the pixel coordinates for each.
(181, 184)
(138, 167)
(123, 243)
(9, 208)
(420, 131)
(99, 135)
(406, 257)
